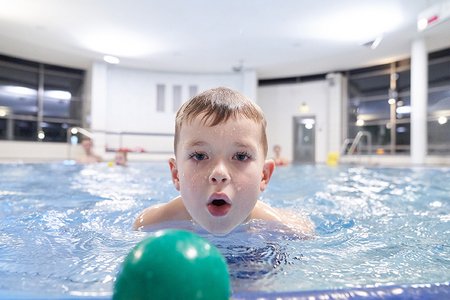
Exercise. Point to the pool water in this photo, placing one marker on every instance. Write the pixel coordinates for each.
(65, 228)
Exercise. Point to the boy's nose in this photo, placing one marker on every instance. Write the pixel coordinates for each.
(219, 174)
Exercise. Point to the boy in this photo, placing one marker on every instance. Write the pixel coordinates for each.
(89, 156)
(220, 166)
(121, 157)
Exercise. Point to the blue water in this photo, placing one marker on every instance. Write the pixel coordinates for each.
(65, 229)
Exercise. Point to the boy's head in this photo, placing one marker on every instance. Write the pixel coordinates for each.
(220, 167)
(121, 157)
(216, 106)
(87, 143)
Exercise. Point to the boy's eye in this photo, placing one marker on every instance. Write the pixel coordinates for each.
(198, 156)
(242, 156)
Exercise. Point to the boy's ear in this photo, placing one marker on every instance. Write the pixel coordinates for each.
(174, 173)
(269, 166)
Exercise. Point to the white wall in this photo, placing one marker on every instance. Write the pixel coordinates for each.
(124, 99)
(34, 151)
(281, 104)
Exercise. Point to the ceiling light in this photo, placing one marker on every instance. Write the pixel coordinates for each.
(4, 111)
(60, 95)
(376, 42)
(304, 108)
(422, 24)
(433, 15)
(442, 120)
(111, 59)
(391, 101)
(360, 122)
(20, 90)
(403, 110)
(308, 121)
(41, 135)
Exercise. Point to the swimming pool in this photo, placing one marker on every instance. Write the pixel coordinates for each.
(65, 229)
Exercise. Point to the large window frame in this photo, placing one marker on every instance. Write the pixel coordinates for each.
(379, 103)
(38, 102)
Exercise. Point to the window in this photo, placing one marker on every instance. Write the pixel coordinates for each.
(160, 97)
(379, 102)
(193, 91)
(439, 103)
(176, 97)
(34, 95)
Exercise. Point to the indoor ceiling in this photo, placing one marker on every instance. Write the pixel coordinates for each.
(276, 38)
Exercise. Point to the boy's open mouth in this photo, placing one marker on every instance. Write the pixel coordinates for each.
(218, 207)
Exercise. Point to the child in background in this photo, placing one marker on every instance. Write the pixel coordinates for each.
(89, 156)
(121, 157)
(220, 167)
(278, 159)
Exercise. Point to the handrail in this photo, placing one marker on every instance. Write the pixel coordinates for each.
(345, 145)
(356, 141)
(90, 134)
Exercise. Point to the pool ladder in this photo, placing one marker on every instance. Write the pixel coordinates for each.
(354, 143)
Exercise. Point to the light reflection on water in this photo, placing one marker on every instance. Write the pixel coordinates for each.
(65, 229)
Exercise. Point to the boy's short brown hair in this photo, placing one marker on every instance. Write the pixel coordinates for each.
(217, 106)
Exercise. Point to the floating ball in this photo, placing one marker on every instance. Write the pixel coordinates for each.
(173, 264)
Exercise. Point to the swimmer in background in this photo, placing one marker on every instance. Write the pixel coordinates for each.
(278, 159)
(121, 158)
(220, 167)
(89, 156)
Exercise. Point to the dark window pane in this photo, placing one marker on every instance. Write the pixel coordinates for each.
(18, 89)
(404, 81)
(439, 102)
(62, 95)
(25, 130)
(55, 132)
(439, 136)
(3, 129)
(369, 86)
(439, 73)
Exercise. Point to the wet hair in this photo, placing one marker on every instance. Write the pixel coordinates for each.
(216, 106)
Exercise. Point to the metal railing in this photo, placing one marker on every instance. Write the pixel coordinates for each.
(355, 144)
(134, 138)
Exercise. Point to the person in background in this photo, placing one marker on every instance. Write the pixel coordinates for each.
(121, 158)
(278, 159)
(88, 156)
(220, 167)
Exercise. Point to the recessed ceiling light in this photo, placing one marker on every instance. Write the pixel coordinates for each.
(111, 59)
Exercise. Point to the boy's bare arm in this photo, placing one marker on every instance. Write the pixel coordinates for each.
(296, 222)
(171, 211)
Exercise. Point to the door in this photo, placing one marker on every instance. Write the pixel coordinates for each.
(305, 139)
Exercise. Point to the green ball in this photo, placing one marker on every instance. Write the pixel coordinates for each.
(173, 264)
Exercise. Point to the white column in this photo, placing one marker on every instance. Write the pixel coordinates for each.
(250, 84)
(334, 112)
(99, 79)
(419, 99)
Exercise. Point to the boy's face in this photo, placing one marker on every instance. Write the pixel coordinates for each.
(220, 172)
(120, 159)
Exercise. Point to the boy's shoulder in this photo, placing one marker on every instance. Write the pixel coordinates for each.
(298, 223)
(174, 210)
(264, 211)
